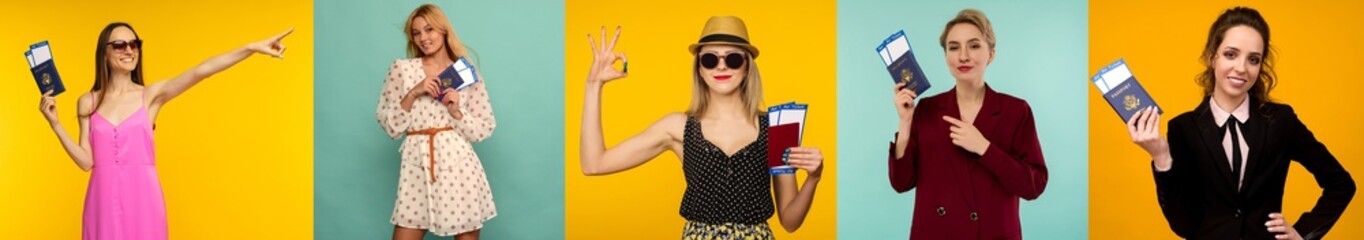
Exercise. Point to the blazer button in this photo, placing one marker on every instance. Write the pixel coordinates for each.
(1238, 214)
(942, 211)
(973, 216)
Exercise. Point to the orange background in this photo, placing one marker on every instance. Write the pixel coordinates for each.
(797, 63)
(234, 153)
(1317, 49)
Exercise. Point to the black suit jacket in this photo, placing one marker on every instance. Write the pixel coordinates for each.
(1198, 194)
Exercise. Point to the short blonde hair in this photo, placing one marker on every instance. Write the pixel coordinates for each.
(973, 17)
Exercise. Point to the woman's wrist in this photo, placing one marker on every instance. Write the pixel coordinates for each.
(1162, 161)
(456, 113)
(406, 102)
(814, 177)
(243, 52)
(595, 85)
(593, 90)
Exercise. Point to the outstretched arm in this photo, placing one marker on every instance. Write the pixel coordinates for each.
(162, 92)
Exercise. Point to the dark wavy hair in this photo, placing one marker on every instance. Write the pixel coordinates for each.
(1239, 16)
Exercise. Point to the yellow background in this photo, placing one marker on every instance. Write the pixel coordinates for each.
(797, 63)
(1317, 49)
(234, 153)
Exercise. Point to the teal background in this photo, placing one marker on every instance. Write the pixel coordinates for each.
(519, 47)
(1041, 56)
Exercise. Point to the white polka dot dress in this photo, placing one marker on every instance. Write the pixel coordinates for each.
(459, 199)
(725, 189)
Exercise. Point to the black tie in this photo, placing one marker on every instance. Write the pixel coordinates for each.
(1235, 126)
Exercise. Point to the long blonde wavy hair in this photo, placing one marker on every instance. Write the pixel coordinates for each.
(436, 18)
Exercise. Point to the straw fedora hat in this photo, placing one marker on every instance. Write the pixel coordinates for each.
(724, 30)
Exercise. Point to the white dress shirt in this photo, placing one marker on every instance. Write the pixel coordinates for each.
(1241, 113)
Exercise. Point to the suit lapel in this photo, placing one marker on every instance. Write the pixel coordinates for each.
(1256, 130)
(988, 117)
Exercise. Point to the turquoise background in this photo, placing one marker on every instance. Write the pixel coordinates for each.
(519, 45)
(1041, 56)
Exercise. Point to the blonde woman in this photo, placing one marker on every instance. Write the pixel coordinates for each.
(442, 187)
(970, 153)
(721, 139)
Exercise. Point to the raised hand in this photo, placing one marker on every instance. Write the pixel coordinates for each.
(1144, 128)
(904, 103)
(273, 46)
(48, 106)
(604, 57)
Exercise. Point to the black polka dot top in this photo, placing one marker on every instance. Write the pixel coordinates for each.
(725, 189)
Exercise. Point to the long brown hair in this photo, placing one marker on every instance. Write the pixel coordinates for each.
(1239, 16)
(102, 71)
(434, 17)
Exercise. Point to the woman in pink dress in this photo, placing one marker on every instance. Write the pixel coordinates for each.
(116, 118)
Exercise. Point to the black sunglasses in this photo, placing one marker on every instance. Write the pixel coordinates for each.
(135, 44)
(732, 60)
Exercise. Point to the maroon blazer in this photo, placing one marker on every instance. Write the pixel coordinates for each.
(962, 195)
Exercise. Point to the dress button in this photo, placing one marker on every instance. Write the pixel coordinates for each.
(942, 211)
(1238, 214)
(973, 216)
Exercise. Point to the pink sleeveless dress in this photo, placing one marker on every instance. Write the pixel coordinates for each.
(123, 201)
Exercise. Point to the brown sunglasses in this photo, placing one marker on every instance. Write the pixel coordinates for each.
(135, 44)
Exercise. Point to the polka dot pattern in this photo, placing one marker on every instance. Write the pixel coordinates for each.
(725, 189)
(459, 200)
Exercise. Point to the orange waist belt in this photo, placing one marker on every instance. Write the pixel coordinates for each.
(431, 146)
